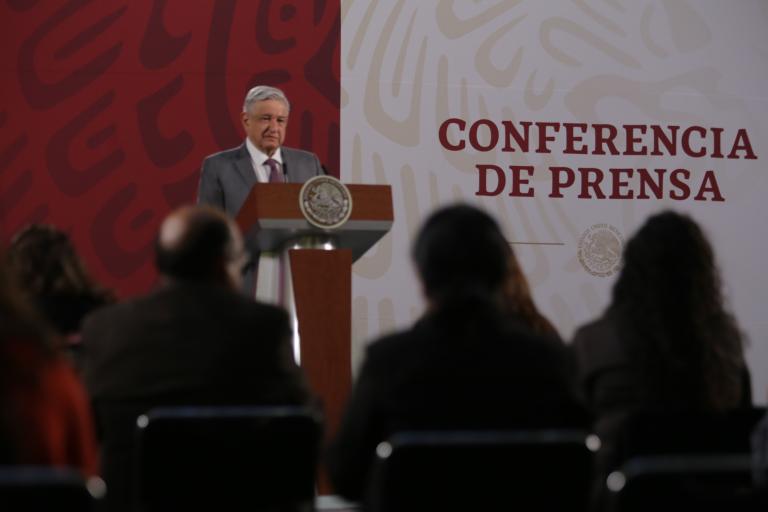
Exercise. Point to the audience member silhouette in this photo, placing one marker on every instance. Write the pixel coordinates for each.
(54, 279)
(666, 342)
(519, 302)
(195, 340)
(466, 364)
(45, 417)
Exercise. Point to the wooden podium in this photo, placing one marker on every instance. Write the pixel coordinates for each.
(319, 278)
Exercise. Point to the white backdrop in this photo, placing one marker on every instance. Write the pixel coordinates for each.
(408, 66)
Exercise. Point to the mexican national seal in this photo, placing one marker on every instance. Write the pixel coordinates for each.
(600, 248)
(325, 202)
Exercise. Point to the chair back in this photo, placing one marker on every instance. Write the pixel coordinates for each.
(700, 482)
(227, 458)
(483, 470)
(25, 488)
(664, 433)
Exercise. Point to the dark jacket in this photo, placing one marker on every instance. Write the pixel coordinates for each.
(186, 343)
(465, 366)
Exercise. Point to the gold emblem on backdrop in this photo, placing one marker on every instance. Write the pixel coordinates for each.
(599, 250)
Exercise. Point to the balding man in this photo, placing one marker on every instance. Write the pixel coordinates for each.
(194, 340)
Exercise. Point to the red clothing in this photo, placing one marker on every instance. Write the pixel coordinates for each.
(48, 410)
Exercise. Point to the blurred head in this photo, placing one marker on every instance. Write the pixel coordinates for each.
(669, 261)
(460, 251)
(200, 243)
(265, 117)
(44, 263)
(20, 328)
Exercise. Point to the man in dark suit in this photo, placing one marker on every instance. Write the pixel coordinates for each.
(194, 340)
(464, 365)
(227, 177)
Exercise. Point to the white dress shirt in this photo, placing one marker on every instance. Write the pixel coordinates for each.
(271, 269)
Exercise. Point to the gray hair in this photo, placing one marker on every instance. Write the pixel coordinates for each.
(264, 92)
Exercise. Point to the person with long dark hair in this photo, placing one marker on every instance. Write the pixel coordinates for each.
(54, 279)
(45, 416)
(678, 345)
(666, 344)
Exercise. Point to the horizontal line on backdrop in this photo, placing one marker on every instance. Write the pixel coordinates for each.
(536, 243)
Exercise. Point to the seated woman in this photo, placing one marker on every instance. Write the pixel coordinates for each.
(52, 277)
(666, 343)
(46, 418)
(466, 364)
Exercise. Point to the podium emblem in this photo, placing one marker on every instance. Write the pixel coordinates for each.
(325, 202)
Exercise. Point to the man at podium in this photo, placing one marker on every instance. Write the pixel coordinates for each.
(227, 177)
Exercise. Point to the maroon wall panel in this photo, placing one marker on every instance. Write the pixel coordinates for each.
(107, 108)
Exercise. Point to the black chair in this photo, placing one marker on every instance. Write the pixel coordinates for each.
(227, 458)
(483, 470)
(700, 482)
(661, 433)
(686, 432)
(32, 488)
